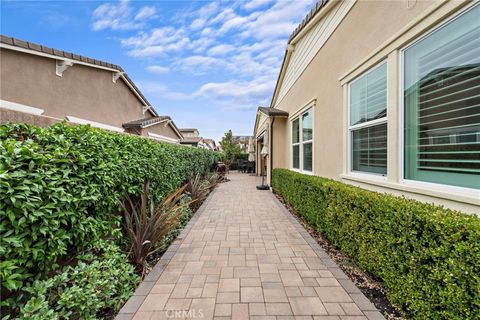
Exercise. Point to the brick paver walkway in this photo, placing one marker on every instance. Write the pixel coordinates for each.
(244, 256)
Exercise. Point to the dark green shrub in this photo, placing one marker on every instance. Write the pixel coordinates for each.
(59, 186)
(83, 291)
(428, 257)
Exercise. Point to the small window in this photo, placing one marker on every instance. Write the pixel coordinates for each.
(368, 122)
(296, 144)
(442, 104)
(302, 142)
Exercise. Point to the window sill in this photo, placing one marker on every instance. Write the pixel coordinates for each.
(301, 171)
(469, 196)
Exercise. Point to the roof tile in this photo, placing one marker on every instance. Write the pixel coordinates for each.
(6, 40)
(34, 46)
(58, 52)
(20, 43)
(47, 50)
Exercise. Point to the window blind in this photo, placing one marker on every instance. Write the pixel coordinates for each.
(370, 149)
(442, 105)
(368, 96)
(368, 103)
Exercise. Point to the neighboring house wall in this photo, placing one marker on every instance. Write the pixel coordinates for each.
(190, 134)
(83, 92)
(161, 129)
(367, 26)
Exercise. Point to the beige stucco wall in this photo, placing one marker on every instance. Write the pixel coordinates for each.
(84, 92)
(367, 26)
(354, 39)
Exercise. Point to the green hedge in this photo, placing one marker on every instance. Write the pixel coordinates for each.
(98, 283)
(60, 186)
(428, 257)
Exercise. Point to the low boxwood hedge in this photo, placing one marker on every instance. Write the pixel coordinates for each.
(60, 188)
(428, 257)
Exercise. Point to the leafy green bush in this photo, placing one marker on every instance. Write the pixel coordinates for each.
(428, 257)
(83, 291)
(59, 186)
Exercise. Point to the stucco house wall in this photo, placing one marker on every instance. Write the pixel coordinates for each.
(83, 92)
(367, 26)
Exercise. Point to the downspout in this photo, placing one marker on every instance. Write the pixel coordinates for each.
(271, 150)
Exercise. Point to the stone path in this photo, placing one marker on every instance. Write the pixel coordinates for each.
(244, 256)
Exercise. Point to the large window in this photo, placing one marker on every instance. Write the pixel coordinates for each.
(368, 121)
(442, 104)
(302, 138)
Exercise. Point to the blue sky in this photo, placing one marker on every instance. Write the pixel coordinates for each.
(208, 64)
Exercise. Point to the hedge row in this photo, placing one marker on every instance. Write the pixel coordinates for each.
(60, 186)
(428, 257)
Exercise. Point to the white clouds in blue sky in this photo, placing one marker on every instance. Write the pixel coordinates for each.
(242, 41)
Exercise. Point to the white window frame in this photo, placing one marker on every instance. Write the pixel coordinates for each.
(384, 120)
(470, 192)
(308, 108)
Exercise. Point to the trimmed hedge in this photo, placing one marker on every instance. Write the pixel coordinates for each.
(60, 186)
(428, 257)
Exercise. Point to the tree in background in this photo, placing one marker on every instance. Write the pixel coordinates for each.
(231, 149)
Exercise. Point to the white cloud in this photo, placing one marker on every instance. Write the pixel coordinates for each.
(197, 23)
(120, 16)
(198, 64)
(145, 13)
(221, 49)
(162, 90)
(158, 69)
(156, 42)
(254, 4)
(241, 42)
(238, 94)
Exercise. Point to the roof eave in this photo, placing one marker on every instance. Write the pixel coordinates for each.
(313, 17)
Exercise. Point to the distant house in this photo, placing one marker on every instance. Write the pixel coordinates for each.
(191, 137)
(383, 95)
(242, 141)
(39, 80)
(210, 143)
(189, 132)
(160, 128)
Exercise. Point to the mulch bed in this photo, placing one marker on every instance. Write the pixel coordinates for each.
(372, 288)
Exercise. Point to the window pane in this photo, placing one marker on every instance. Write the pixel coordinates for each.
(307, 156)
(370, 149)
(296, 131)
(296, 157)
(307, 126)
(442, 105)
(368, 96)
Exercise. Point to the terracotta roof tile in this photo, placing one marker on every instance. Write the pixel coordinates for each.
(47, 50)
(20, 43)
(6, 40)
(34, 46)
